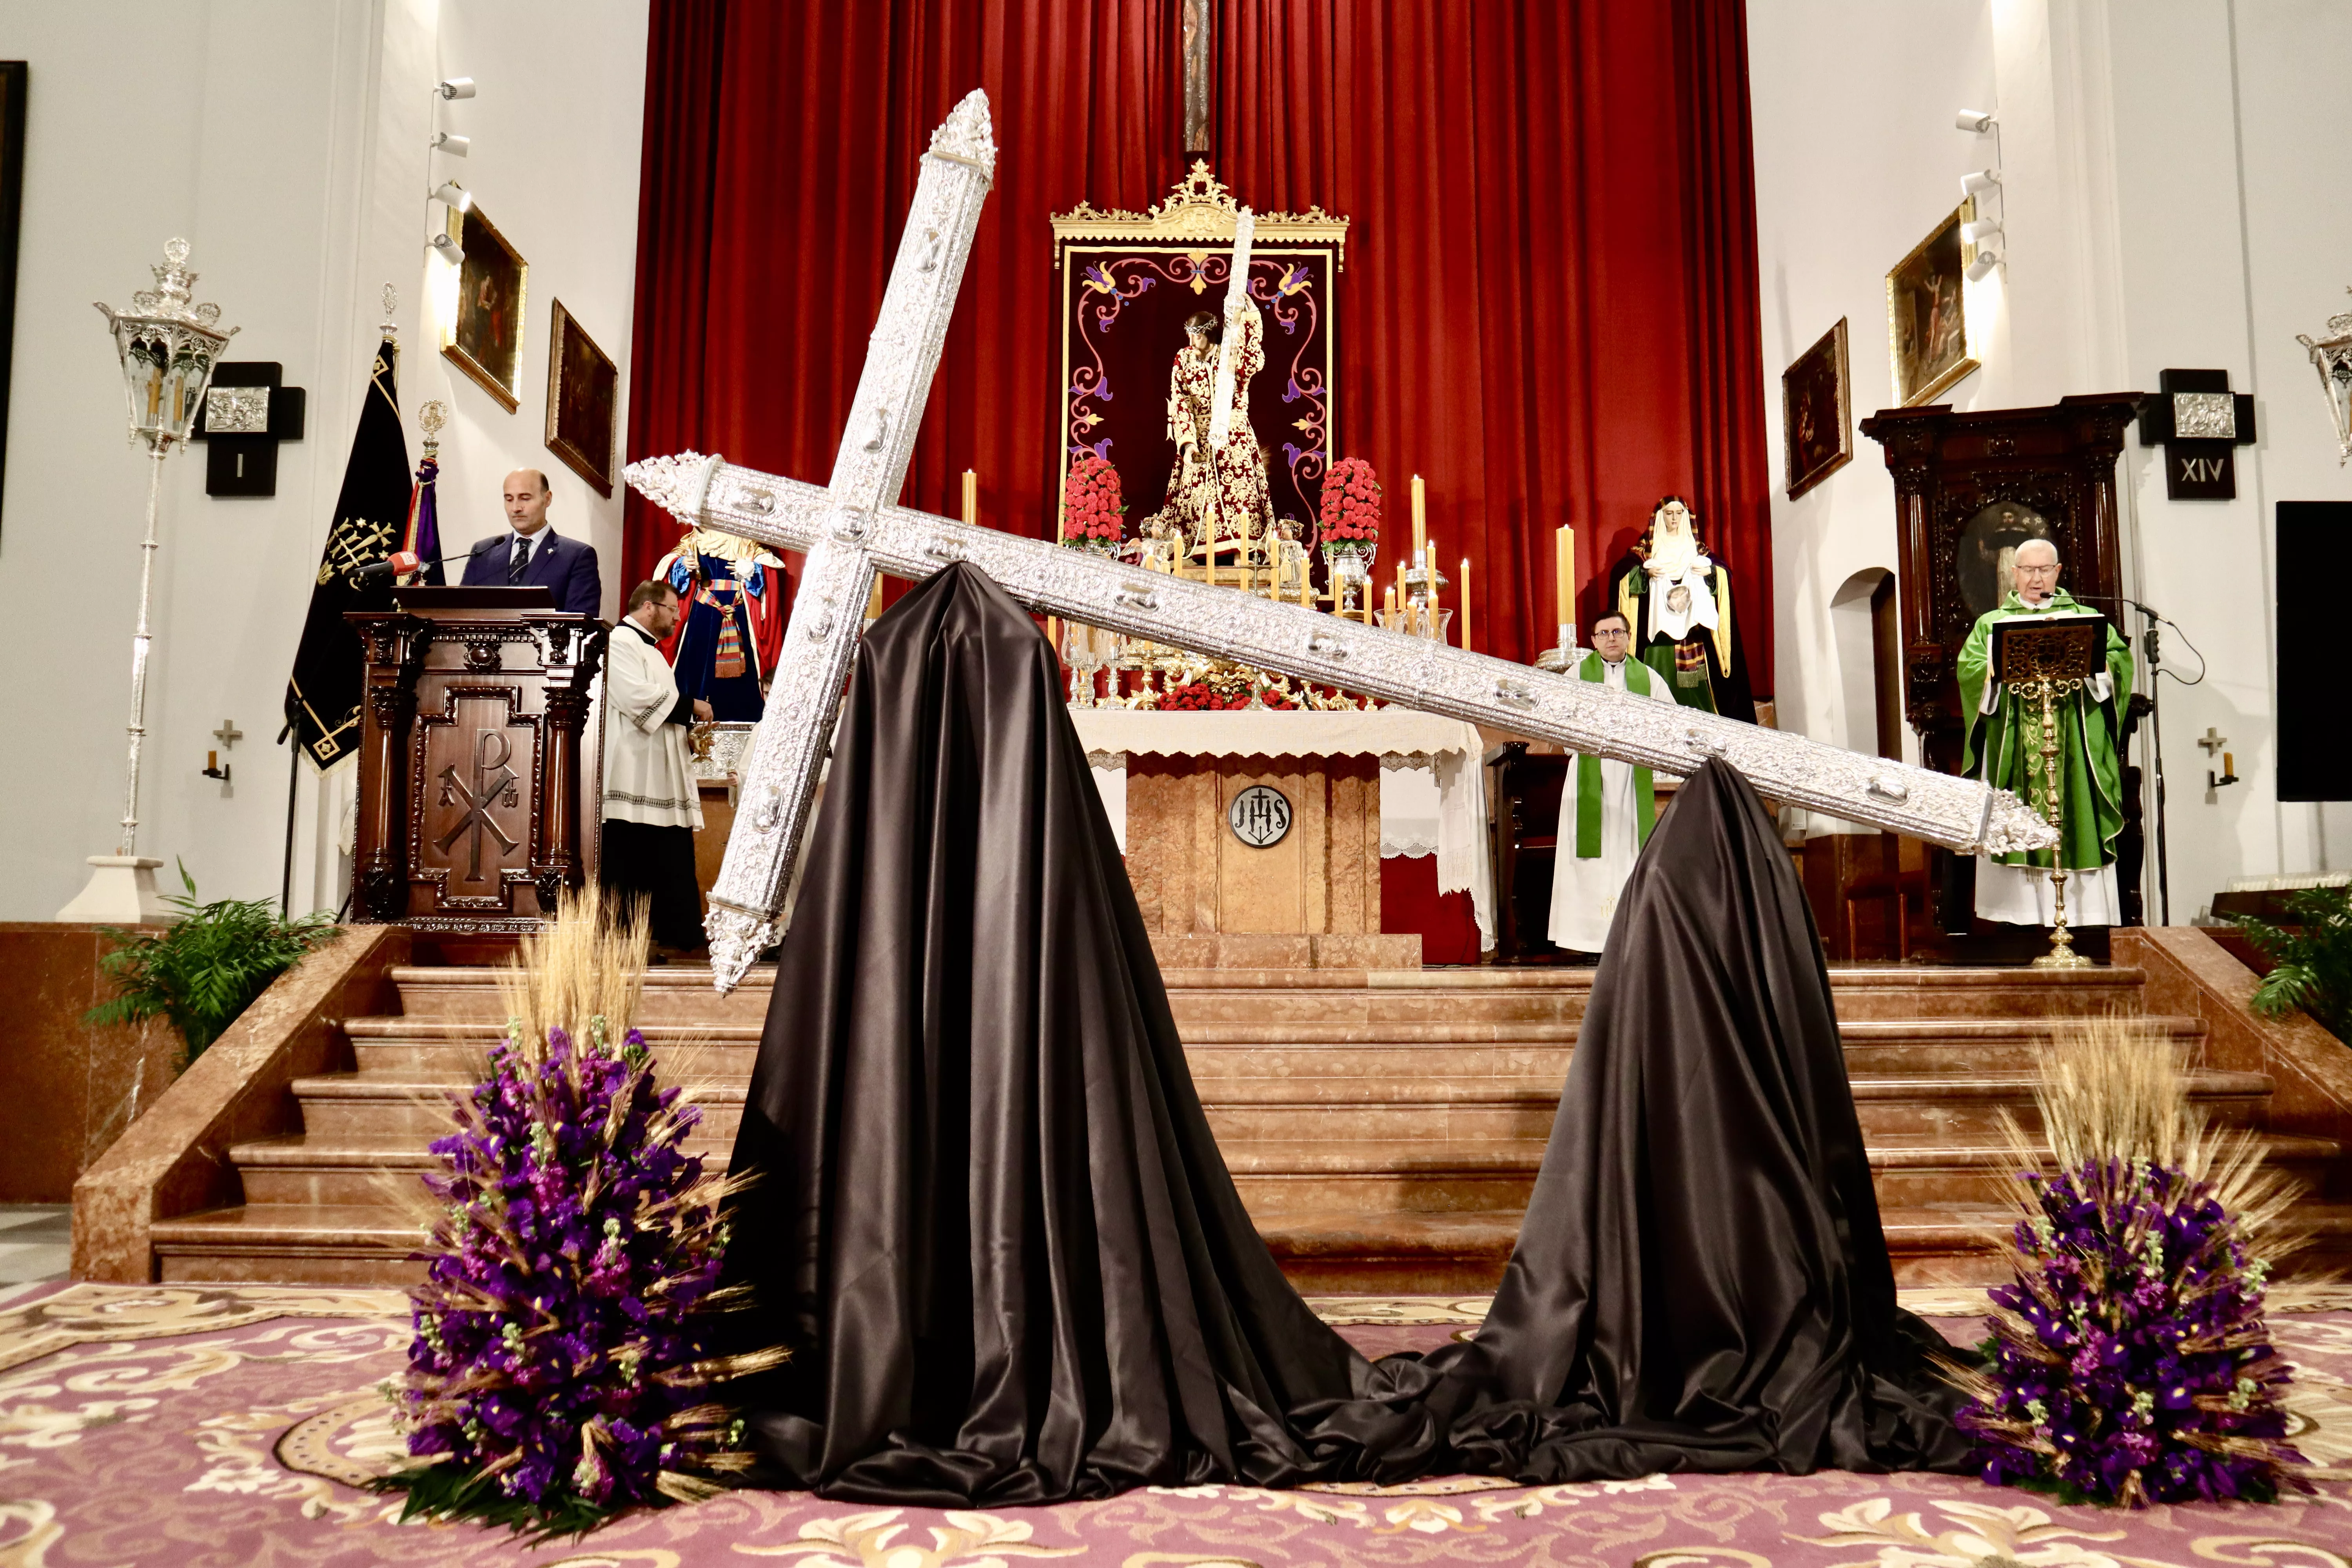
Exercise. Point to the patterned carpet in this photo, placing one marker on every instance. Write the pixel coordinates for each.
(211, 1426)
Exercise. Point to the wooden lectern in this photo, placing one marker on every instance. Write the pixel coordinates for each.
(471, 755)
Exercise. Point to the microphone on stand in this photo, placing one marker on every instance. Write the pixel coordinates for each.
(400, 563)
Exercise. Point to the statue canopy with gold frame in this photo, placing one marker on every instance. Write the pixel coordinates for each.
(1127, 282)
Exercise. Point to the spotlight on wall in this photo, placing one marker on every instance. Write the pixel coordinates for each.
(456, 87)
(1981, 232)
(1977, 120)
(1979, 183)
(1981, 268)
(456, 197)
(456, 146)
(448, 250)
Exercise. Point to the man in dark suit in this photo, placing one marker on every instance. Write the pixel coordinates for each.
(533, 554)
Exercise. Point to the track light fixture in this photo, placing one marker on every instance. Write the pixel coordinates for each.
(1977, 120)
(456, 146)
(1981, 268)
(455, 197)
(1979, 182)
(1981, 232)
(455, 86)
(448, 250)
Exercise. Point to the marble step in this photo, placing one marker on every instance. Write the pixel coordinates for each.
(1331, 1251)
(1303, 1049)
(682, 994)
(1358, 1096)
(1907, 1170)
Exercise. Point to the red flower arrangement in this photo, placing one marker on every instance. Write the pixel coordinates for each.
(1351, 506)
(1091, 507)
(1201, 697)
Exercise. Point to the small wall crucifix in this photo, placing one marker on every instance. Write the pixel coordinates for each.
(2200, 424)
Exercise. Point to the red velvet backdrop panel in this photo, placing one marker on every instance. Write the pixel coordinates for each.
(1548, 311)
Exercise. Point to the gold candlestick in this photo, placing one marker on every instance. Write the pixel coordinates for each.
(2061, 953)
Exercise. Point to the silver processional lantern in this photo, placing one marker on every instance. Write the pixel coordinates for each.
(2332, 357)
(168, 346)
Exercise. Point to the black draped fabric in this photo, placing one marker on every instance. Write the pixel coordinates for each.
(989, 1219)
(990, 1224)
(1701, 1282)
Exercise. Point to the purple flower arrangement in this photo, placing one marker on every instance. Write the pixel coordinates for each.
(2130, 1363)
(563, 1348)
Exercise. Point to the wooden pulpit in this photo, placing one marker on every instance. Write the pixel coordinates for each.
(473, 746)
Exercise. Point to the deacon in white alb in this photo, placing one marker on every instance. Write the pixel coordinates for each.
(1606, 807)
(652, 808)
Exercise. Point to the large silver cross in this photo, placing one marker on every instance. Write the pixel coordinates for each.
(849, 530)
(780, 770)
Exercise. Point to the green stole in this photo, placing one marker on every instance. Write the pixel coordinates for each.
(1587, 772)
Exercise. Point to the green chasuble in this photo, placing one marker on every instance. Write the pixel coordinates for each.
(2007, 741)
(1588, 770)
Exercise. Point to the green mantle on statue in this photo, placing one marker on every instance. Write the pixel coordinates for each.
(2009, 740)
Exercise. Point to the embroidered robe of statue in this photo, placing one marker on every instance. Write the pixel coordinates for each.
(1687, 637)
(725, 647)
(1606, 812)
(1222, 488)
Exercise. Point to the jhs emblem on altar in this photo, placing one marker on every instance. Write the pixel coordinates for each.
(1259, 816)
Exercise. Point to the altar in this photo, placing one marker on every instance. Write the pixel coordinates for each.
(1215, 858)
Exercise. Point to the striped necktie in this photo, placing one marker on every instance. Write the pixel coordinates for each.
(520, 562)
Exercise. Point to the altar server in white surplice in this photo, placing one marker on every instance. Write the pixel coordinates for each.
(652, 808)
(1606, 807)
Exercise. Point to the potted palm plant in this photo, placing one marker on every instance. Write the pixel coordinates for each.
(207, 967)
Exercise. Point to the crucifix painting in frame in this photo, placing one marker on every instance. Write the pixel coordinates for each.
(1131, 281)
(1816, 418)
(483, 337)
(1926, 312)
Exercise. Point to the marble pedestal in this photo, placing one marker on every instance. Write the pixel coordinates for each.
(121, 891)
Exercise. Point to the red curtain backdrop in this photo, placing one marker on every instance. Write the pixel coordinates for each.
(1550, 310)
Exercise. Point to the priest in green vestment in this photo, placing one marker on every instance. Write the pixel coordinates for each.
(1607, 809)
(2004, 748)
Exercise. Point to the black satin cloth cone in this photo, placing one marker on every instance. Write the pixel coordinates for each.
(989, 1221)
(1701, 1282)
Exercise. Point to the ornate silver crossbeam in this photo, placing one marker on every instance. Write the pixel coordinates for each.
(849, 532)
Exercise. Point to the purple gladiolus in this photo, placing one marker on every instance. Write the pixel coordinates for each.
(2130, 1362)
(566, 1304)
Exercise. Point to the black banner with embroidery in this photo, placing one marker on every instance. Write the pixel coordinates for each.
(322, 700)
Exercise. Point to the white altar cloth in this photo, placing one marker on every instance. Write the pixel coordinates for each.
(1432, 774)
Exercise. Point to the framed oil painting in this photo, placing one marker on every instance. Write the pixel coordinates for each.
(486, 339)
(1816, 420)
(583, 398)
(1926, 312)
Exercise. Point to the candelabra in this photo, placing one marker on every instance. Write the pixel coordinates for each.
(168, 346)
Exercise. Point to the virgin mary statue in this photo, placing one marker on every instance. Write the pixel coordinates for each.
(1218, 492)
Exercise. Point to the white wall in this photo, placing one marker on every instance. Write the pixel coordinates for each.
(2170, 175)
(285, 139)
